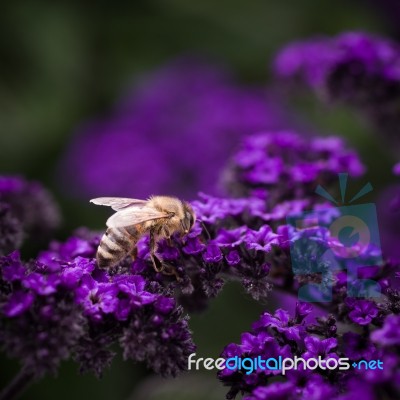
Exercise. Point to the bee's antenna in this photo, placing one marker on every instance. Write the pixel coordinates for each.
(205, 228)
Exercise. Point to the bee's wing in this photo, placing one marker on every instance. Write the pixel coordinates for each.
(117, 203)
(134, 214)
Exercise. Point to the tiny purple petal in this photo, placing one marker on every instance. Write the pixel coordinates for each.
(212, 254)
(232, 258)
(193, 246)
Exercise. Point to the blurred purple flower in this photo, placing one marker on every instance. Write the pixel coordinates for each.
(179, 125)
(388, 335)
(360, 69)
(27, 209)
(18, 303)
(11, 230)
(354, 66)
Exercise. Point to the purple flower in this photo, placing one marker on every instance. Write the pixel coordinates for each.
(233, 258)
(11, 267)
(72, 272)
(231, 238)
(164, 305)
(210, 209)
(316, 347)
(261, 240)
(74, 246)
(302, 310)
(18, 303)
(134, 288)
(212, 254)
(193, 246)
(396, 169)
(96, 298)
(281, 321)
(388, 335)
(41, 284)
(254, 344)
(281, 210)
(305, 61)
(363, 311)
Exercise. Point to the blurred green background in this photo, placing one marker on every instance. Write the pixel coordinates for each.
(67, 61)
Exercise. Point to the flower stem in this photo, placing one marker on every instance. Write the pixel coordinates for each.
(17, 386)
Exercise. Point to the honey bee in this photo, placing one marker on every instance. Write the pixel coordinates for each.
(160, 216)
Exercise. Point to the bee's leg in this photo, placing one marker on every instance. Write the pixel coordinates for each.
(157, 264)
(171, 270)
(167, 235)
(134, 253)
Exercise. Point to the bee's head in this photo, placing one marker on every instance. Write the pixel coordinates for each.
(189, 217)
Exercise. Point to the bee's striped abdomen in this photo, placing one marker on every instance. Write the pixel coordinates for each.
(115, 245)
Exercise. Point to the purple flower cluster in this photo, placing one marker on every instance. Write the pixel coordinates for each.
(61, 305)
(179, 126)
(356, 67)
(286, 165)
(359, 69)
(279, 334)
(27, 209)
(243, 239)
(238, 238)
